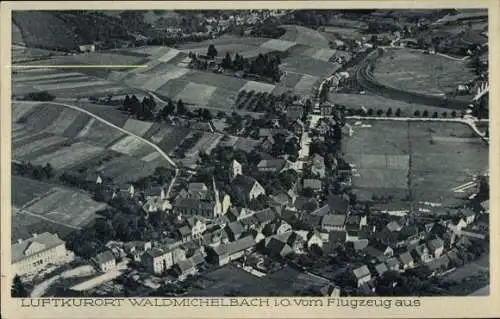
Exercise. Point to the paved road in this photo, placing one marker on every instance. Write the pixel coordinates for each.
(156, 147)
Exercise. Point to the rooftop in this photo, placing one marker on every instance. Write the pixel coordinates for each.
(333, 220)
(361, 272)
(105, 257)
(37, 243)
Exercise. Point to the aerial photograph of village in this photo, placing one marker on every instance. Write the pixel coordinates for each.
(216, 153)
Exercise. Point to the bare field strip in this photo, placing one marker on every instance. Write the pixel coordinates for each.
(100, 134)
(157, 81)
(258, 87)
(29, 148)
(149, 50)
(278, 45)
(217, 80)
(59, 86)
(310, 66)
(53, 75)
(77, 152)
(321, 54)
(67, 207)
(169, 55)
(173, 87)
(390, 178)
(135, 169)
(137, 127)
(25, 190)
(306, 36)
(38, 117)
(383, 161)
(151, 157)
(77, 125)
(18, 142)
(198, 94)
(127, 145)
(20, 109)
(164, 132)
(222, 99)
(65, 119)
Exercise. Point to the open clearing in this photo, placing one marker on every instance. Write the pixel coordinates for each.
(306, 36)
(198, 94)
(67, 156)
(258, 87)
(414, 71)
(381, 155)
(66, 207)
(137, 127)
(25, 190)
(305, 85)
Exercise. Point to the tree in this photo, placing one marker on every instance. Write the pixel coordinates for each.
(417, 113)
(181, 108)
(453, 114)
(398, 112)
(370, 112)
(435, 115)
(444, 114)
(227, 63)
(18, 290)
(380, 112)
(389, 112)
(425, 113)
(212, 51)
(168, 109)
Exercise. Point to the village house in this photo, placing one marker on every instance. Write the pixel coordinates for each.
(333, 222)
(35, 253)
(249, 187)
(135, 249)
(297, 127)
(226, 253)
(294, 112)
(105, 261)
(277, 247)
(238, 213)
(406, 260)
(197, 226)
(422, 253)
(235, 169)
(436, 247)
(315, 185)
(393, 264)
(469, 216)
(381, 269)
(318, 165)
(362, 275)
(157, 260)
(234, 230)
(272, 166)
(189, 266)
(276, 227)
(338, 205)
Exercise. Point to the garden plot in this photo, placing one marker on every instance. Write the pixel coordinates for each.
(277, 45)
(287, 82)
(128, 145)
(163, 132)
(258, 87)
(168, 72)
(99, 134)
(222, 99)
(35, 146)
(306, 84)
(63, 122)
(194, 93)
(137, 127)
(126, 169)
(206, 143)
(67, 207)
(169, 55)
(151, 157)
(64, 157)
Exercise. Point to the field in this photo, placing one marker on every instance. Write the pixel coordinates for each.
(305, 36)
(66, 207)
(390, 159)
(413, 71)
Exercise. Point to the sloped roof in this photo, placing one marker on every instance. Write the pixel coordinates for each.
(105, 257)
(338, 204)
(381, 268)
(236, 228)
(333, 220)
(406, 258)
(235, 246)
(361, 272)
(435, 243)
(312, 183)
(48, 240)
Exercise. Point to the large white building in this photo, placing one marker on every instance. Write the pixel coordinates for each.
(35, 253)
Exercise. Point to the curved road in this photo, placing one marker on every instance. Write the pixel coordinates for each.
(156, 147)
